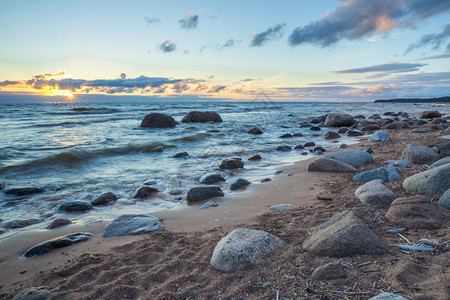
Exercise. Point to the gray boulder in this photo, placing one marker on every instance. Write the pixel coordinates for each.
(444, 201)
(329, 271)
(59, 242)
(131, 225)
(444, 150)
(211, 178)
(201, 117)
(355, 158)
(33, 294)
(430, 182)
(388, 296)
(103, 198)
(58, 223)
(375, 193)
(157, 120)
(324, 164)
(75, 206)
(243, 247)
(22, 190)
(401, 163)
(344, 235)
(202, 193)
(441, 162)
(231, 163)
(238, 184)
(210, 203)
(21, 223)
(339, 120)
(420, 154)
(144, 192)
(283, 207)
(386, 174)
(379, 136)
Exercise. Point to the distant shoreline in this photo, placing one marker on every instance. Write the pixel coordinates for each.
(417, 100)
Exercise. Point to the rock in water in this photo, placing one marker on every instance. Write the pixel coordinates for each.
(210, 203)
(22, 190)
(238, 184)
(329, 271)
(420, 154)
(232, 163)
(132, 224)
(375, 193)
(255, 157)
(211, 178)
(59, 242)
(355, 158)
(103, 198)
(2, 185)
(344, 235)
(144, 192)
(284, 148)
(58, 223)
(181, 155)
(444, 201)
(339, 120)
(332, 135)
(75, 206)
(379, 136)
(324, 164)
(430, 114)
(157, 120)
(33, 294)
(243, 247)
(255, 130)
(202, 193)
(22, 223)
(202, 117)
(430, 182)
(386, 174)
(388, 296)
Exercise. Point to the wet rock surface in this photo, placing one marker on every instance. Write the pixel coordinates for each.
(157, 120)
(202, 193)
(131, 225)
(59, 242)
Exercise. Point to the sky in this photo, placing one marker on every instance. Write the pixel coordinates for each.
(303, 50)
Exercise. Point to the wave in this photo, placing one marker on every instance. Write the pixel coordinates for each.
(85, 110)
(68, 123)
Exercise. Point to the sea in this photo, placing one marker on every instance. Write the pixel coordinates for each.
(79, 150)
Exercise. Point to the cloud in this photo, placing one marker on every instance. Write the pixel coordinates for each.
(139, 82)
(272, 33)
(151, 21)
(433, 39)
(167, 46)
(8, 82)
(216, 88)
(385, 68)
(228, 44)
(189, 22)
(180, 87)
(441, 56)
(357, 19)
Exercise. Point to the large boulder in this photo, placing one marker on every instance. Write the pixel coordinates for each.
(75, 206)
(231, 163)
(59, 242)
(420, 154)
(344, 235)
(238, 184)
(211, 178)
(243, 247)
(22, 190)
(103, 198)
(202, 117)
(444, 201)
(375, 193)
(202, 193)
(430, 182)
(255, 130)
(131, 225)
(379, 136)
(144, 192)
(430, 114)
(339, 120)
(441, 162)
(333, 270)
(157, 120)
(386, 174)
(355, 158)
(33, 294)
(324, 164)
(415, 212)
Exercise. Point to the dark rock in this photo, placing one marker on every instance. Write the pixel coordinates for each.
(202, 193)
(297, 134)
(211, 178)
(284, 136)
(370, 127)
(386, 174)
(266, 180)
(415, 212)
(388, 113)
(305, 124)
(175, 192)
(21, 223)
(324, 197)
(329, 271)
(255, 157)
(208, 204)
(33, 294)
(103, 198)
(445, 150)
(339, 120)
(315, 128)
(375, 117)
(2, 185)
(75, 206)
(299, 147)
(20, 190)
(420, 154)
(343, 146)
(214, 130)
(131, 225)
(444, 201)
(238, 184)
(59, 242)
(332, 135)
(359, 117)
(181, 155)
(355, 158)
(158, 149)
(354, 133)
(324, 164)
(430, 182)
(231, 163)
(150, 182)
(144, 192)
(375, 193)
(304, 153)
(319, 119)
(309, 144)
(157, 120)
(369, 150)
(202, 117)
(319, 149)
(342, 130)
(255, 130)
(397, 125)
(284, 148)
(430, 114)
(58, 223)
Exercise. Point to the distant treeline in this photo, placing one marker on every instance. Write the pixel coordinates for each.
(416, 100)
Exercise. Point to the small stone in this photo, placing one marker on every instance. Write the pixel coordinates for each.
(375, 193)
(255, 130)
(299, 147)
(343, 146)
(103, 198)
(211, 178)
(309, 144)
(75, 206)
(144, 192)
(332, 135)
(59, 242)
(210, 203)
(181, 155)
(315, 128)
(369, 150)
(324, 197)
(284, 148)
(329, 271)
(58, 223)
(232, 163)
(265, 180)
(238, 184)
(255, 157)
(284, 136)
(283, 207)
(354, 133)
(22, 190)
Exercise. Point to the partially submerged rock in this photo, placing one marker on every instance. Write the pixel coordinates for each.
(202, 193)
(131, 225)
(202, 117)
(375, 193)
(21, 223)
(231, 163)
(157, 120)
(241, 248)
(144, 192)
(324, 164)
(22, 190)
(355, 158)
(59, 242)
(238, 184)
(255, 130)
(210, 203)
(58, 223)
(255, 157)
(420, 154)
(103, 198)
(75, 206)
(181, 155)
(211, 178)
(332, 135)
(430, 182)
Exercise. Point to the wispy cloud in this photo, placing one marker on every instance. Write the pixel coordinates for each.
(228, 44)
(151, 21)
(8, 83)
(189, 22)
(433, 39)
(389, 68)
(272, 33)
(440, 56)
(167, 46)
(216, 88)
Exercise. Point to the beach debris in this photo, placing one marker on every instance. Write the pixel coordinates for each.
(283, 207)
(375, 193)
(255, 130)
(444, 201)
(430, 182)
(33, 294)
(59, 242)
(132, 224)
(202, 193)
(243, 247)
(211, 178)
(58, 223)
(210, 203)
(423, 245)
(157, 120)
(339, 120)
(239, 183)
(231, 163)
(386, 174)
(330, 271)
(325, 164)
(144, 192)
(396, 230)
(22, 190)
(181, 155)
(355, 158)
(75, 206)
(379, 136)
(202, 117)
(103, 198)
(420, 154)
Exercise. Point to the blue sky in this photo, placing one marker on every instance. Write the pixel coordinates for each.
(349, 50)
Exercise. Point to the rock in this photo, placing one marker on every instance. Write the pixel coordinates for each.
(375, 193)
(58, 223)
(149, 182)
(415, 212)
(75, 206)
(359, 117)
(241, 248)
(430, 182)
(59, 242)
(231, 163)
(332, 135)
(210, 203)
(388, 296)
(157, 120)
(354, 133)
(386, 174)
(22, 190)
(298, 134)
(319, 149)
(2, 185)
(324, 197)
(430, 114)
(285, 136)
(266, 180)
(324, 164)
(211, 178)
(238, 184)
(181, 155)
(420, 154)
(315, 128)
(343, 146)
(379, 136)
(255, 157)
(255, 130)
(283, 207)
(309, 144)
(444, 201)
(441, 162)
(158, 149)
(401, 163)
(175, 192)
(305, 124)
(344, 235)
(329, 271)
(369, 150)
(131, 225)
(445, 150)
(339, 120)
(33, 294)
(394, 125)
(284, 148)
(319, 119)
(103, 198)
(21, 223)
(202, 117)
(299, 147)
(375, 117)
(144, 192)
(202, 193)
(355, 158)
(370, 127)
(342, 130)
(2, 230)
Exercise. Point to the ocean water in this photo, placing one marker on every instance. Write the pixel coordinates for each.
(77, 152)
